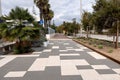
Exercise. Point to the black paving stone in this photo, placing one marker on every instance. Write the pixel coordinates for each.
(105, 71)
(71, 78)
(20, 64)
(69, 57)
(84, 67)
(50, 73)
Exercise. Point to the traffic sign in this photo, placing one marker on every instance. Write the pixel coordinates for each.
(41, 22)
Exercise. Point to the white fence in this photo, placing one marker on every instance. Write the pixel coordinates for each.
(102, 37)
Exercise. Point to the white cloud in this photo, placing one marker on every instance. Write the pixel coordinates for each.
(64, 10)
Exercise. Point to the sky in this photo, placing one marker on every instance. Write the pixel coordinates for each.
(64, 10)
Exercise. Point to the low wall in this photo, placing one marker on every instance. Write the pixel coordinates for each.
(49, 36)
(6, 49)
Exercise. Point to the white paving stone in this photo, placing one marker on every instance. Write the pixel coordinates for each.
(90, 74)
(63, 50)
(80, 62)
(70, 54)
(15, 74)
(37, 52)
(83, 47)
(96, 55)
(53, 61)
(20, 56)
(55, 47)
(69, 47)
(47, 50)
(68, 68)
(65, 43)
(39, 65)
(6, 60)
(100, 67)
(79, 50)
(116, 70)
(51, 43)
(66, 62)
(110, 77)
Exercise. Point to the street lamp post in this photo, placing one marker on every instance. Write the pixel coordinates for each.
(81, 17)
(0, 9)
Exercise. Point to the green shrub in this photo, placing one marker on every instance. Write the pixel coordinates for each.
(95, 45)
(23, 47)
(110, 51)
(90, 43)
(84, 41)
(100, 46)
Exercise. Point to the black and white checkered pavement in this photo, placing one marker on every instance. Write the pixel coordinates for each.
(61, 60)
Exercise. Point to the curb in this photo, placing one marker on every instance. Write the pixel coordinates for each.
(96, 50)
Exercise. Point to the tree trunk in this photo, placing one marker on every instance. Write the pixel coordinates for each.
(49, 22)
(87, 32)
(117, 35)
(113, 39)
(41, 16)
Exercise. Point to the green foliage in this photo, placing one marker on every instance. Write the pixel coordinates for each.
(20, 14)
(95, 45)
(69, 28)
(86, 20)
(90, 43)
(100, 46)
(46, 13)
(110, 51)
(3, 30)
(19, 32)
(105, 14)
(22, 47)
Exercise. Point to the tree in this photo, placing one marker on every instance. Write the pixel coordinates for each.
(50, 15)
(69, 28)
(106, 15)
(20, 14)
(45, 13)
(86, 21)
(41, 4)
(18, 32)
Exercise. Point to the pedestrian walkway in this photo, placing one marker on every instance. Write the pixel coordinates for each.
(61, 60)
(59, 36)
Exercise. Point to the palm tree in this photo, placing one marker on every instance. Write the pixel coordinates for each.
(17, 31)
(42, 5)
(49, 17)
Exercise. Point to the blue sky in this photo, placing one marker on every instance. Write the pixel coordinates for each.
(64, 10)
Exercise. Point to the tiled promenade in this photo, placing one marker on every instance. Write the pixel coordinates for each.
(61, 60)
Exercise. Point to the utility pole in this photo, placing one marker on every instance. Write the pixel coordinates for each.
(80, 17)
(0, 9)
